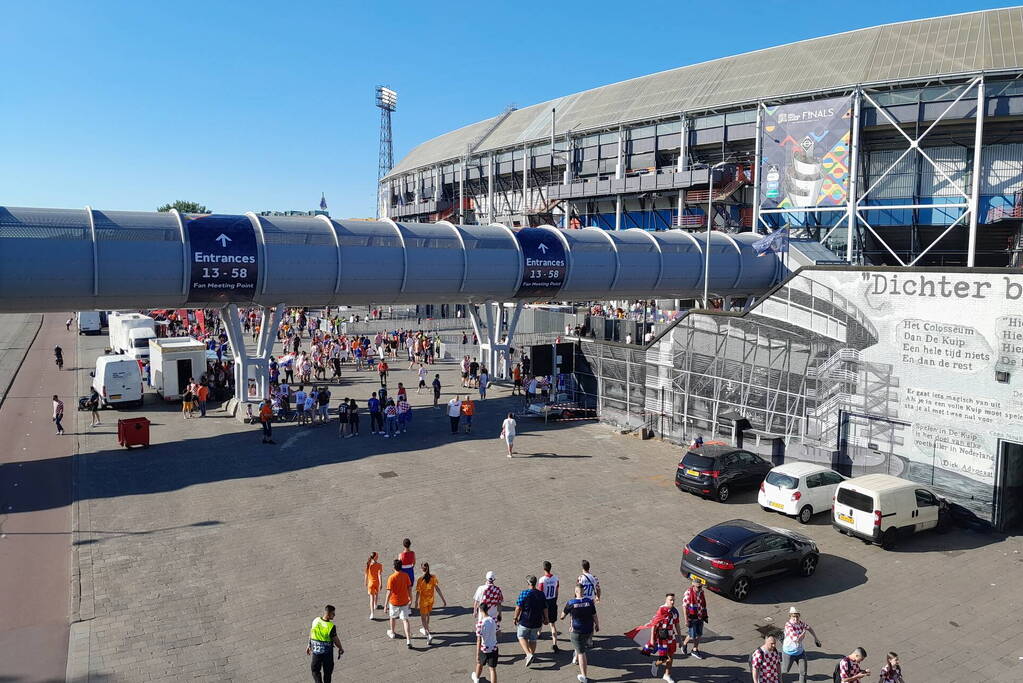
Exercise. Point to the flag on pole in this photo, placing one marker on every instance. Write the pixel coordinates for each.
(323, 202)
(777, 242)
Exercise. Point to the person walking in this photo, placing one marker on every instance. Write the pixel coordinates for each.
(436, 390)
(665, 634)
(589, 582)
(766, 662)
(422, 379)
(426, 585)
(484, 382)
(454, 413)
(517, 380)
(266, 416)
(508, 432)
(58, 414)
(376, 420)
(486, 646)
(408, 560)
(530, 617)
(488, 598)
(581, 629)
(322, 639)
(548, 583)
(342, 419)
(849, 670)
(323, 404)
(373, 569)
(186, 401)
(891, 672)
(382, 369)
(93, 404)
(792, 651)
(468, 409)
(694, 606)
(391, 420)
(399, 595)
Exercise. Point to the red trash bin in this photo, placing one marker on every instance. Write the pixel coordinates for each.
(133, 431)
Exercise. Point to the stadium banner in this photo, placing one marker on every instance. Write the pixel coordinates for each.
(804, 160)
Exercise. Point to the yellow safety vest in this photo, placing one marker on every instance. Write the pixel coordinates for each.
(320, 633)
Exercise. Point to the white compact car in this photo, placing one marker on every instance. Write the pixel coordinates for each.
(799, 489)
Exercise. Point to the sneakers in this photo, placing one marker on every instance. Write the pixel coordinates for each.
(529, 659)
(474, 677)
(668, 678)
(581, 678)
(371, 616)
(697, 654)
(390, 634)
(575, 657)
(408, 644)
(423, 631)
(554, 647)
(387, 436)
(429, 639)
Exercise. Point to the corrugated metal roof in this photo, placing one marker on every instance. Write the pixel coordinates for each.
(942, 46)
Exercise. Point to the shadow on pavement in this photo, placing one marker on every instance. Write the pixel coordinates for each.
(834, 575)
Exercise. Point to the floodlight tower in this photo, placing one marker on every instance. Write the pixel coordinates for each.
(387, 101)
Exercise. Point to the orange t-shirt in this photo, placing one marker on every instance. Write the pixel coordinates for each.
(265, 412)
(400, 586)
(202, 393)
(468, 408)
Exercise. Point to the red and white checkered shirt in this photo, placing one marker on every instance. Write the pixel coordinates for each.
(793, 630)
(492, 596)
(848, 668)
(767, 665)
(694, 604)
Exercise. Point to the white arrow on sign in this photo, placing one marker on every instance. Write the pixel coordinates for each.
(542, 247)
(223, 239)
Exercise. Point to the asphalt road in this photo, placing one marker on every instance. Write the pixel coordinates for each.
(35, 468)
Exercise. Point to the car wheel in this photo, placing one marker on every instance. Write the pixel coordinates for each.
(741, 588)
(805, 514)
(890, 538)
(808, 565)
(722, 493)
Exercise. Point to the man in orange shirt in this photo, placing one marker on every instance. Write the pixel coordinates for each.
(468, 408)
(202, 393)
(399, 595)
(266, 413)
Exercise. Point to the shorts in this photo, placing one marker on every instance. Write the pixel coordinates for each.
(464, 375)
(526, 633)
(552, 611)
(696, 628)
(467, 420)
(518, 382)
(581, 641)
(487, 658)
(398, 611)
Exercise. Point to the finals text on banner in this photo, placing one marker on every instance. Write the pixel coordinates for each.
(545, 265)
(224, 259)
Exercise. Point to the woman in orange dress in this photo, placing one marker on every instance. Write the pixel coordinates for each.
(425, 587)
(373, 568)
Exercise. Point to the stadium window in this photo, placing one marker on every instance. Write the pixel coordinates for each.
(643, 132)
(669, 127)
(714, 121)
(745, 116)
(609, 138)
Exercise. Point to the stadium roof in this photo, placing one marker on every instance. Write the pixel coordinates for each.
(991, 40)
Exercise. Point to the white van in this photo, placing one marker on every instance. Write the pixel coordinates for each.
(880, 508)
(118, 381)
(89, 322)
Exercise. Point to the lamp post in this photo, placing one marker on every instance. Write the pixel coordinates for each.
(710, 220)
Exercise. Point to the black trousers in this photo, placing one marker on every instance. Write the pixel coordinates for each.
(325, 662)
(454, 423)
(376, 422)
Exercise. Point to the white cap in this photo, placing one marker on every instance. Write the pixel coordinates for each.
(793, 610)
(490, 576)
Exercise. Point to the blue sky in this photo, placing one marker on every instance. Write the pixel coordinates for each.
(263, 105)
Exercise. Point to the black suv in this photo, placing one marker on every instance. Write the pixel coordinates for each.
(713, 471)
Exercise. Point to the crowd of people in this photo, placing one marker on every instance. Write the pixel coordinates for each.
(675, 626)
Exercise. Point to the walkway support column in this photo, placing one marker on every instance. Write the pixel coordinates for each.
(251, 372)
(978, 140)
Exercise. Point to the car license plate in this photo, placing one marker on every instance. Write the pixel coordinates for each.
(846, 518)
(692, 473)
(698, 578)
(114, 397)
(777, 505)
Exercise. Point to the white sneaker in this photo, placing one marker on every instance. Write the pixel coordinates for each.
(474, 677)
(429, 639)
(668, 678)
(423, 631)
(575, 657)
(529, 659)
(697, 654)
(390, 633)
(581, 678)
(653, 669)
(371, 616)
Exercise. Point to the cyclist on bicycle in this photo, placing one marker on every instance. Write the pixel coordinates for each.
(58, 354)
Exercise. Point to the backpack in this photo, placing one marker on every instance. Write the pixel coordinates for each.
(836, 676)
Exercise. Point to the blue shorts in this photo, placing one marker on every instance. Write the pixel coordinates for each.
(526, 633)
(696, 628)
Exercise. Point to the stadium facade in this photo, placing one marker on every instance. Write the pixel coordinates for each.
(895, 153)
(641, 153)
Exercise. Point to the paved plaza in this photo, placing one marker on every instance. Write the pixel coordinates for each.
(206, 556)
